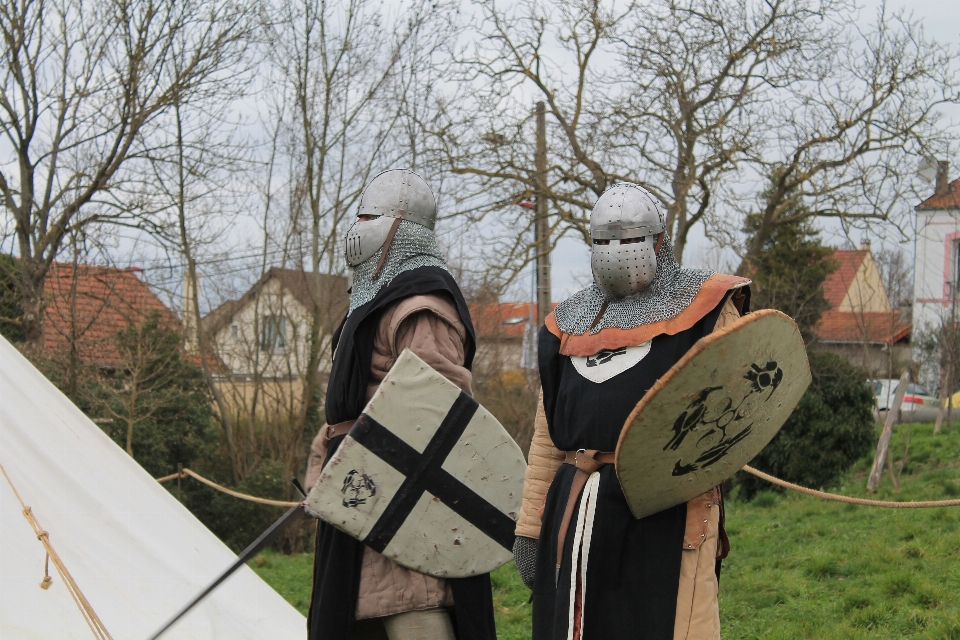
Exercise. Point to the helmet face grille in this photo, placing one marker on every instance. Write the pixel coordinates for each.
(624, 269)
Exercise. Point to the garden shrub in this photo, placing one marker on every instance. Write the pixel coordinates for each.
(831, 428)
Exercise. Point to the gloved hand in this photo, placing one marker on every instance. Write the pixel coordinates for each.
(525, 555)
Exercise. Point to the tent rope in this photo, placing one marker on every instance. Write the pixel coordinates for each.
(889, 504)
(230, 492)
(93, 621)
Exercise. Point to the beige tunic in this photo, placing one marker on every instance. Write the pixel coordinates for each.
(429, 326)
(698, 614)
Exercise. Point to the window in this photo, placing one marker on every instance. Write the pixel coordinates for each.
(274, 336)
(235, 331)
(917, 390)
(955, 280)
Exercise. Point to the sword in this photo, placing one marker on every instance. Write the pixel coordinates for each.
(253, 549)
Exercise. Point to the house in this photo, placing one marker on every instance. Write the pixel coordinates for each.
(936, 268)
(503, 343)
(506, 338)
(861, 324)
(262, 340)
(86, 306)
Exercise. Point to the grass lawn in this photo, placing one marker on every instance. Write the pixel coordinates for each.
(802, 567)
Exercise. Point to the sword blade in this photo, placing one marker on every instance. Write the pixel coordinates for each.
(253, 549)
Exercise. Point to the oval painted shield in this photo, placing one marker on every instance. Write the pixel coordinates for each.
(712, 412)
(426, 476)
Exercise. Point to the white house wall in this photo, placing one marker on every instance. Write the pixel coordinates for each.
(938, 232)
(238, 342)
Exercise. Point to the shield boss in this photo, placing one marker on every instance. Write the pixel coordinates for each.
(712, 412)
(426, 476)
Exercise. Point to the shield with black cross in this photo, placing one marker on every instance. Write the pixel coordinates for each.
(426, 476)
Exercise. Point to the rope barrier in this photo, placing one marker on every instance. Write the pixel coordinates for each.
(888, 504)
(86, 610)
(230, 492)
(861, 501)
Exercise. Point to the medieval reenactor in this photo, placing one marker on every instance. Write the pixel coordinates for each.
(595, 570)
(403, 297)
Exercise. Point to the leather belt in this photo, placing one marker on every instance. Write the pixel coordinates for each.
(586, 461)
(331, 432)
(339, 429)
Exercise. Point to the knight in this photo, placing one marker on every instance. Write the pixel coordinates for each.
(403, 297)
(595, 570)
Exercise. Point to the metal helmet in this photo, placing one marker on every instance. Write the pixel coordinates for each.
(394, 195)
(625, 226)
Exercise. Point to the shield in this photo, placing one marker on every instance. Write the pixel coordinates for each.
(426, 476)
(712, 412)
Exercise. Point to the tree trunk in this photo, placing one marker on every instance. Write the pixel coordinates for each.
(31, 299)
(130, 423)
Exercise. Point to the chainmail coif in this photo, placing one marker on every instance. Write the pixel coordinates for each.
(672, 290)
(413, 246)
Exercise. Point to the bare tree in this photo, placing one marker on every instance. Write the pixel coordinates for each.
(699, 76)
(146, 377)
(666, 94)
(484, 134)
(846, 135)
(700, 102)
(346, 68)
(82, 83)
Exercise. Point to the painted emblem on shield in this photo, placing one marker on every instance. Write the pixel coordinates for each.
(357, 489)
(730, 420)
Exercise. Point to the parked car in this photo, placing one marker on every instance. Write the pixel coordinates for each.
(918, 404)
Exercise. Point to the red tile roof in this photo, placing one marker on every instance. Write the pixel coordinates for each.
(94, 304)
(837, 284)
(872, 327)
(948, 200)
(501, 319)
(885, 327)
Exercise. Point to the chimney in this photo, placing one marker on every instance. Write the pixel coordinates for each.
(865, 244)
(943, 181)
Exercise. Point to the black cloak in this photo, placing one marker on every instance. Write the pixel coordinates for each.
(634, 565)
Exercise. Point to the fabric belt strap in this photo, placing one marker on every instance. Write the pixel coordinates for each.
(586, 461)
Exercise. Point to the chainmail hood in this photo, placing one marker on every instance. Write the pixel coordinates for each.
(413, 246)
(671, 291)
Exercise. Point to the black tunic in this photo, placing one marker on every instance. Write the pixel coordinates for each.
(338, 557)
(634, 565)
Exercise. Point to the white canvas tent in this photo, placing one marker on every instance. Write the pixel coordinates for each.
(134, 551)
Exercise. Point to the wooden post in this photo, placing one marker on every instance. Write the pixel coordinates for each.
(884, 444)
(950, 337)
(541, 222)
(940, 409)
